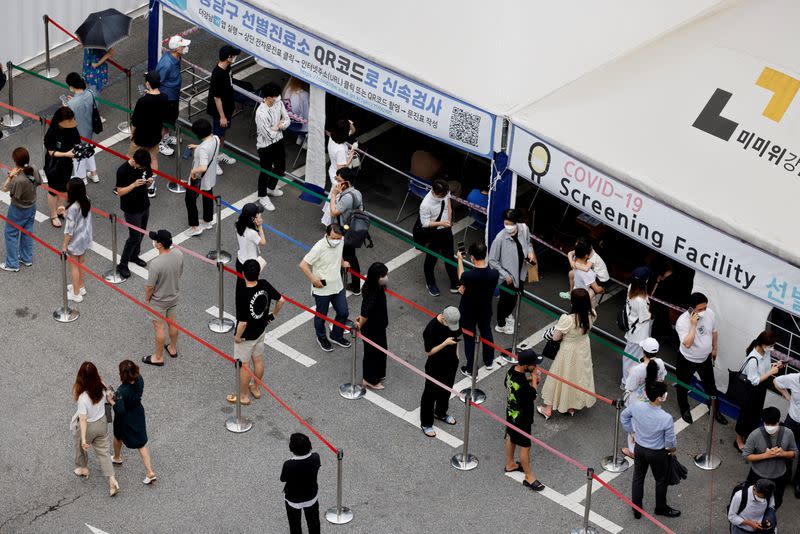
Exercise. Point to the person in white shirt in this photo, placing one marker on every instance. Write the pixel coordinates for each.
(249, 235)
(758, 368)
(697, 332)
(651, 369)
(637, 309)
(271, 121)
(593, 263)
(583, 276)
(747, 516)
(789, 386)
(339, 154)
(203, 177)
(436, 217)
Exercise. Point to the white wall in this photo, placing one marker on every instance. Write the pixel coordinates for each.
(22, 39)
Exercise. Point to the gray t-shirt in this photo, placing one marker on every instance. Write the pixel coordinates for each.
(80, 228)
(163, 274)
(348, 201)
(81, 105)
(205, 155)
(756, 444)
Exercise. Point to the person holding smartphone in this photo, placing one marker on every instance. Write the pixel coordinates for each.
(133, 178)
(441, 337)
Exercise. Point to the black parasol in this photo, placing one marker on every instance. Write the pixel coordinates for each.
(104, 29)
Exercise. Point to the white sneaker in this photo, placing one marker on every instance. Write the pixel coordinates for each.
(207, 225)
(103, 119)
(219, 169)
(69, 289)
(165, 149)
(73, 297)
(192, 232)
(171, 140)
(267, 203)
(151, 192)
(507, 329)
(43, 176)
(226, 159)
(275, 192)
(94, 178)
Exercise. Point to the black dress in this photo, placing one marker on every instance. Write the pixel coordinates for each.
(59, 170)
(373, 307)
(129, 424)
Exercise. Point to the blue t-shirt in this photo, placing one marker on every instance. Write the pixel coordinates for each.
(81, 105)
(476, 197)
(169, 68)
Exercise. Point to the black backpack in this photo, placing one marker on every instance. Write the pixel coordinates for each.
(741, 486)
(356, 226)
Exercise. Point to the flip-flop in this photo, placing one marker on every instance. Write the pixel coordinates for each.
(232, 399)
(168, 352)
(80, 475)
(54, 220)
(541, 412)
(149, 361)
(518, 468)
(533, 486)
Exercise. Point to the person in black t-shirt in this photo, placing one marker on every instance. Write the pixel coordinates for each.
(372, 323)
(147, 121)
(220, 103)
(133, 178)
(521, 382)
(441, 337)
(253, 299)
(60, 139)
(301, 489)
(477, 290)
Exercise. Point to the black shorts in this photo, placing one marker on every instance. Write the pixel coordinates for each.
(171, 112)
(516, 438)
(57, 181)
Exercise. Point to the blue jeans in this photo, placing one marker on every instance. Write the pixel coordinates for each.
(19, 247)
(339, 302)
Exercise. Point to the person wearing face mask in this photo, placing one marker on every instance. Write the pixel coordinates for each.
(788, 385)
(521, 381)
(169, 68)
(436, 217)
(758, 368)
(345, 200)
(133, 178)
(697, 332)
(221, 103)
(249, 235)
(770, 451)
(372, 323)
(322, 266)
(651, 369)
(748, 506)
(147, 121)
(508, 253)
(161, 292)
(271, 121)
(655, 441)
(60, 139)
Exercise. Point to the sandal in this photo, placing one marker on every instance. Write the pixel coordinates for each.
(80, 475)
(254, 391)
(518, 468)
(232, 399)
(168, 352)
(149, 361)
(429, 431)
(533, 486)
(54, 220)
(115, 461)
(541, 412)
(449, 419)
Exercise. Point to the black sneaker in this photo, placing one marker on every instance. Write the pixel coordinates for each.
(687, 416)
(324, 344)
(341, 341)
(454, 289)
(668, 512)
(465, 371)
(123, 271)
(433, 290)
(355, 290)
(139, 261)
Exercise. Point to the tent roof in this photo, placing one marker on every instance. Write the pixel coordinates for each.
(634, 118)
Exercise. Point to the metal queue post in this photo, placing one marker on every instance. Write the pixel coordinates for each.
(65, 314)
(339, 515)
(125, 126)
(464, 461)
(616, 463)
(476, 395)
(218, 254)
(220, 324)
(585, 528)
(12, 119)
(353, 390)
(176, 187)
(706, 460)
(513, 349)
(236, 423)
(112, 275)
(47, 72)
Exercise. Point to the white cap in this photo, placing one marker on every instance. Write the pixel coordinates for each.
(176, 41)
(649, 345)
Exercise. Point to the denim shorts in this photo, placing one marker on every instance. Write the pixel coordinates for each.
(217, 129)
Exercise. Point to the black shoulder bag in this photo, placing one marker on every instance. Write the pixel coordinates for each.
(422, 235)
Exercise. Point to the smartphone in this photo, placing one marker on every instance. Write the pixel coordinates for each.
(64, 100)
(323, 283)
(461, 248)
(456, 338)
(187, 153)
(141, 89)
(529, 262)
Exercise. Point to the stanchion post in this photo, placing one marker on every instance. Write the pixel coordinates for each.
(464, 461)
(585, 528)
(477, 395)
(112, 275)
(125, 127)
(339, 515)
(218, 254)
(513, 348)
(12, 119)
(48, 72)
(616, 463)
(236, 423)
(65, 314)
(220, 324)
(706, 460)
(176, 187)
(353, 390)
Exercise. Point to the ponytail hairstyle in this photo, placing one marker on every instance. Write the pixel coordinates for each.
(764, 339)
(22, 159)
(652, 373)
(638, 286)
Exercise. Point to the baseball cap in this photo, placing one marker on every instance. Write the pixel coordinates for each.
(161, 236)
(251, 209)
(176, 41)
(529, 357)
(452, 317)
(227, 51)
(153, 78)
(649, 345)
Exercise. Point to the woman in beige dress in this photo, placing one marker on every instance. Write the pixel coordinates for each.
(573, 361)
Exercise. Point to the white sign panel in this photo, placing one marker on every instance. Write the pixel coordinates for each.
(658, 226)
(343, 73)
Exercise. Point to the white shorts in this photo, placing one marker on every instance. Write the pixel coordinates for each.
(81, 168)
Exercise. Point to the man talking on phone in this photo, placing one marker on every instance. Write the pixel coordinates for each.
(133, 178)
(441, 337)
(697, 331)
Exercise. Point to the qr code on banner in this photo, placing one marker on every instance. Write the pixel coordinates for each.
(464, 126)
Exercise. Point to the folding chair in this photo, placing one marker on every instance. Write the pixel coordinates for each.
(478, 223)
(424, 168)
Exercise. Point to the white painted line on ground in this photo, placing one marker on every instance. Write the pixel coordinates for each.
(411, 417)
(106, 253)
(569, 504)
(214, 312)
(111, 141)
(95, 530)
(6, 199)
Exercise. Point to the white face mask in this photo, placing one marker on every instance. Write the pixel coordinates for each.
(334, 242)
(769, 349)
(383, 281)
(185, 50)
(664, 397)
(771, 429)
(759, 499)
(510, 228)
(155, 245)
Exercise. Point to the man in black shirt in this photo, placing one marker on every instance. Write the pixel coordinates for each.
(441, 339)
(133, 178)
(477, 290)
(147, 120)
(521, 382)
(220, 98)
(253, 299)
